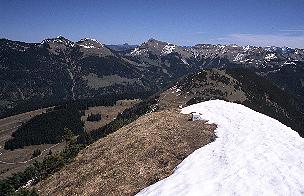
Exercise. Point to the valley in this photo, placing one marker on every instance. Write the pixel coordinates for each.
(17, 160)
(14, 161)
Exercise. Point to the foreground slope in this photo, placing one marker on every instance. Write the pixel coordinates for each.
(253, 155)
(135, 156)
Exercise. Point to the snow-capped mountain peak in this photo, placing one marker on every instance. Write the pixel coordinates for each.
(89, 43)
(60, 37)
(155, 47)
(58, 40)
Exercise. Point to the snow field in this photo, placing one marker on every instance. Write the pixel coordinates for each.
(253, 155)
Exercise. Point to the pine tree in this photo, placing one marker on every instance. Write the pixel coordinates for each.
(69, 137)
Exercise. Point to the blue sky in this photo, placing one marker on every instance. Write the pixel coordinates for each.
(255, 22)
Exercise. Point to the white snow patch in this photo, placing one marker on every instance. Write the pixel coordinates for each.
(185, 61)
(221, 46)
(135, 51)
(43, 41)
(195, 53)
(93, 40)
(253, 155)
(271, 48)
(138, 51)
(85, 46)
(238, 57)
(58, 41)
(271, 56)
(246, 48)
(167, 49)
(290, 63)
(234, 46)
(28, 184)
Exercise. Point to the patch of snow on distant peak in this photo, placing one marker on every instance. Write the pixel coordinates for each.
(43, 41)
(246, 48)
(136, 51)
(93, 40)
(253, 155)
(234, 46)
(271, 48)
(270, 56)
(167, 49)
(84, 46)
(222, 46)
(185, 61)
(238, 57)
(290, 63)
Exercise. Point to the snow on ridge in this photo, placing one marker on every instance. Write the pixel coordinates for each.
(85, 46)
(253, 155)
(246, 48)
(59, 39)
(239, 57)
(221, 46)
(43, 41)
(234, 45)
(185, 61)
(290, 63)
(167, 49)
(135, 51)
(93, 40)
(270, 48)
(270, 56)
(138, 51)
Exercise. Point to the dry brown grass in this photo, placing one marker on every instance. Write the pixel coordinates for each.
(108, 113)
(22, 158)
(132, 158)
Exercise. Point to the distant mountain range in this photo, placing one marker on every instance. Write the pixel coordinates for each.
(58, 69)
(122, 47)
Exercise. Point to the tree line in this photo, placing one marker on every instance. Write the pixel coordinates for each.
(48, 127)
